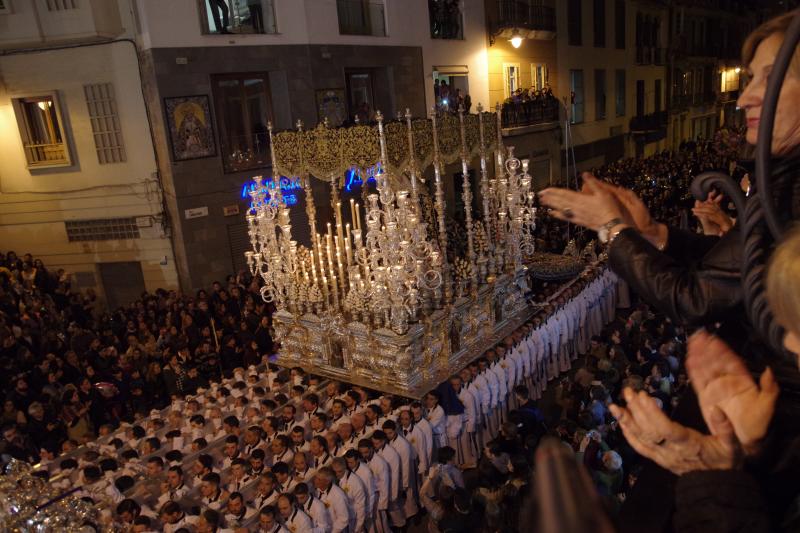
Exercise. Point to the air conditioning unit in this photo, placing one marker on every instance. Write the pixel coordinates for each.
(5, 7)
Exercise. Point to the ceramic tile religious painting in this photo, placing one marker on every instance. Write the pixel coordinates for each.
(190, 127)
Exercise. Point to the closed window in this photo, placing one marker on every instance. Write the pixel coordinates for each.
(619, 24)
(599, 23)
(600, 94)
(361, 17)
(42, 131)
(574, 23)
(576, 86)
(244, 109)
(105, 123)
(619, 90)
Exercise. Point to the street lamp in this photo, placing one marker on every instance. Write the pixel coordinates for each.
(516, 39)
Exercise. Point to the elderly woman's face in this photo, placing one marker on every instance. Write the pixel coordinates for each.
(786, 133)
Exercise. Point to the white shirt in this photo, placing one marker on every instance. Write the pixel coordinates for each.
(186, 521)
(236, 485)
(470, 408)
(391, 457)
(233, 521)
(262, 500)
(336, 422)
(250, 448)
(436, 417)
(382, 474)
(356, 492)
(481, 384)
(494, 386)
(416, 437)
(319, 514)
(349, 444)
(502, 380)
(173, 494)
(339, 507)
(426, 428)
(287, 457)
(363, 471)
(214, 502)
(299, 522)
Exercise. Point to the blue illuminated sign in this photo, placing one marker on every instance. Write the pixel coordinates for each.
(287, 184)
(352, 178)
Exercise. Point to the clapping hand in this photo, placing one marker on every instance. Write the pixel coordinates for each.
(722, 380)
(711, 217)
(593, 207)
(672, 446)
(736, 409)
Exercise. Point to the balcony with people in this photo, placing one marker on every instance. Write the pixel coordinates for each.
(229, 16)
(446, 19)
(530, 108)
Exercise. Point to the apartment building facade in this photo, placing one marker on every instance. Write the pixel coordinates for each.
(79, 183)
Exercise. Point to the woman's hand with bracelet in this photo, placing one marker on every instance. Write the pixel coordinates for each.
(594, 207)
(600, 203)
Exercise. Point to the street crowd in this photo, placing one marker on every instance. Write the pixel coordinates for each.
(169, 415)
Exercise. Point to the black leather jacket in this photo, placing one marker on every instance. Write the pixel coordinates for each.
(696, 281)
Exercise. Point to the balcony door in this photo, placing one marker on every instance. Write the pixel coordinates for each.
(511, 78)
(540, 76)
(360, 95)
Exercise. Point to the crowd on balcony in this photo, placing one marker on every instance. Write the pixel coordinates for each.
(445, 19)
(451, 99)
(530, 106)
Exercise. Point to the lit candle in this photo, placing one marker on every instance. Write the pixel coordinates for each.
(348, 246)
(328, 244)
(339, 261)
(314, 264)
(358, 217)
(325, 290)
(353, 212)
(335, 291)
(339, 233)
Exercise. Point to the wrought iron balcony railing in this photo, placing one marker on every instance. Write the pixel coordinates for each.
(529, 113)
(650, 122)
(527, 14)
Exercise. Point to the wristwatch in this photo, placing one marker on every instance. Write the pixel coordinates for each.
(602, 233)
(613, 234)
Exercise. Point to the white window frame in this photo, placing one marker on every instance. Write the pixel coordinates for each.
(25, 135)
(506, 78)
(535, 81)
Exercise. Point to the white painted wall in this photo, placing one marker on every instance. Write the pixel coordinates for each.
(35, 204)
(31, 22)
(177, 23)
